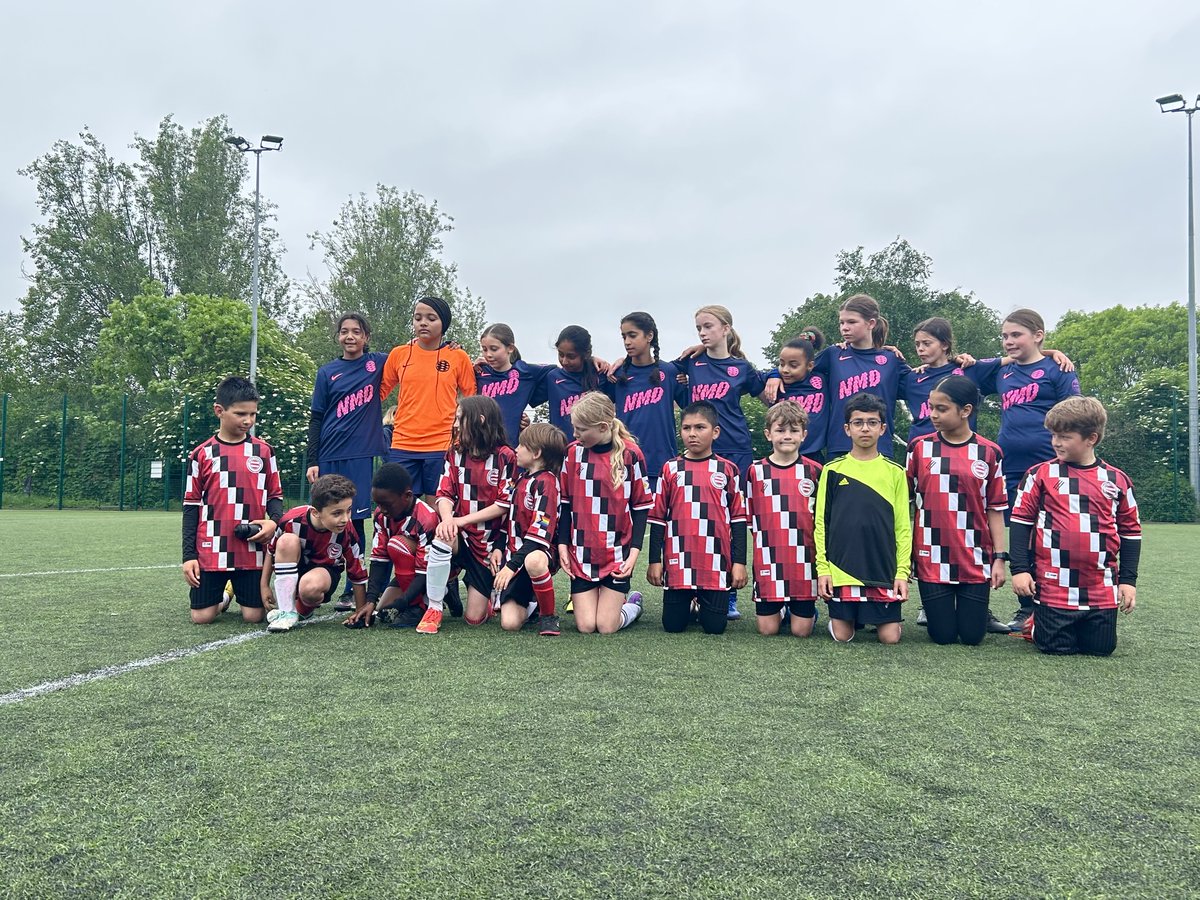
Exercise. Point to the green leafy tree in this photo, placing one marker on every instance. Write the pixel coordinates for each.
(1115, 348)
(178, 213)
(383, 253)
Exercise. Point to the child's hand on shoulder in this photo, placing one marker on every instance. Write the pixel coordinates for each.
(1126, 597)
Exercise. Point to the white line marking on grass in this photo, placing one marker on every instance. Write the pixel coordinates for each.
(61, 684)
(83, 571)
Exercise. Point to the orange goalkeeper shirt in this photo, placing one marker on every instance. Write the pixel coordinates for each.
(430, 383)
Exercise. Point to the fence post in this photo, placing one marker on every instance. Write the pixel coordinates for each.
(62, 452)
(3, 434)
(166, 482)
(137, 483)
(186, 409)
(121, 489)
(1174, 457)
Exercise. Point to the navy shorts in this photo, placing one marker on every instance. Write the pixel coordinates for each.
(865, 612)
(247, 587)
(583, 585)
(360, 471)
(804, 609)
(425, 469)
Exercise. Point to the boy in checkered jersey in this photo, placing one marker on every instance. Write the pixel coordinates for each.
(781, 498)
(1086, 536)
(232, 480)
(697, 528)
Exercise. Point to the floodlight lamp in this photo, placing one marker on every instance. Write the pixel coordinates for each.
(1174, 101)
(272, 141)
(237, 141)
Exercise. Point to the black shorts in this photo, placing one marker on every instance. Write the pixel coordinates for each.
(335, 576)
(805, 609)
(519, 589)
(865, 612)
(1066, 631)
(476, 574)
(247, 587)
(583, 585)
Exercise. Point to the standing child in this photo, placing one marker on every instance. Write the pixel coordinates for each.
(604, 502)
(507, 378)
(806, 389)
(524, 559)
(934, 342)
(958, 536)
(232, 480)
(645, 390)
(721, 375)
(431, 377)
(698, 527)
(1029, 386)
(313, 545)
(1086, 537)
(345, 430)
(477, 467)
(781, 497)
(574, 376)
(863, 365)
(863, 534)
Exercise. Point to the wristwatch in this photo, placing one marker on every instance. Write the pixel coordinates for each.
(1002, 556)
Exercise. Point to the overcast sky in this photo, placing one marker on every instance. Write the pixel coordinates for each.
(605, 157)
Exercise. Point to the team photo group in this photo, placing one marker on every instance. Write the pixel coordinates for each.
(471, 490)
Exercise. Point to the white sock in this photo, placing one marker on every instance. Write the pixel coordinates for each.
(437, 573)
(287, 577)
(834, 636)
(630, 613)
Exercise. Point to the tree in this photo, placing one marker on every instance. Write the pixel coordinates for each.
(1116, 347)
(898, 277)
(383, 253)
(107, 226)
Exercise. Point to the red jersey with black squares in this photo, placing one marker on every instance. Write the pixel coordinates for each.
(954, 486)
(532, 504)
(474, 484)
(323, 548)
(780, 502)
(601, 525)
(231, 483)
(697, 502)
(1080, 515)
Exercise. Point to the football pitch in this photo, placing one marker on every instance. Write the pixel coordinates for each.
(476, 763)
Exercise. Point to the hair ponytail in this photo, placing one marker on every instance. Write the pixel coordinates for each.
(868, 307)
(643, 322)
(725, 317)
(581, 339)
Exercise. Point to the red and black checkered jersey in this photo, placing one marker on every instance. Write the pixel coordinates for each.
(474, 484)
(1080, 515)
(697, 502)
(384, 529)
(532, 504)
(954, 486)
(417, 529)
(323, 548)
(231, 483)
(780, 503)
(601, 525)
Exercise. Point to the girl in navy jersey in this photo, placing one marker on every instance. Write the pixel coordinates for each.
(645, 393)
(807, 390)
(573, 377)
(958, 533)
(604, 500)
(345, 429)
(862, 365)
(1028, 386)
(934, 341)
(507, 378)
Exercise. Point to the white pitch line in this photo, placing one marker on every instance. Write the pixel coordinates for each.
(83, 571)
(61, 684)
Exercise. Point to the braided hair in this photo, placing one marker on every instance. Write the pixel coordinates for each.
(643, 322)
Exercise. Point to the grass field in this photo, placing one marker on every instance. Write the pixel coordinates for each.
(481, 764)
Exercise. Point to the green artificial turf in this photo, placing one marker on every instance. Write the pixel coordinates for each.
(481, 764)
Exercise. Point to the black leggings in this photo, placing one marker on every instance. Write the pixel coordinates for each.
(677, 610)
(955, 611)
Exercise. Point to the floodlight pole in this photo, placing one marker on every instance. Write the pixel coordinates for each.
(1179, 105)
(239, 143)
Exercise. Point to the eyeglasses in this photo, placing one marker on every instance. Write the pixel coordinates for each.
(864, 423)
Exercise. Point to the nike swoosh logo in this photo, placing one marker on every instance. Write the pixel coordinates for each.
(1006, 374)
(563, 380)
(922, 378)
(843, 358)
(335, 377)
